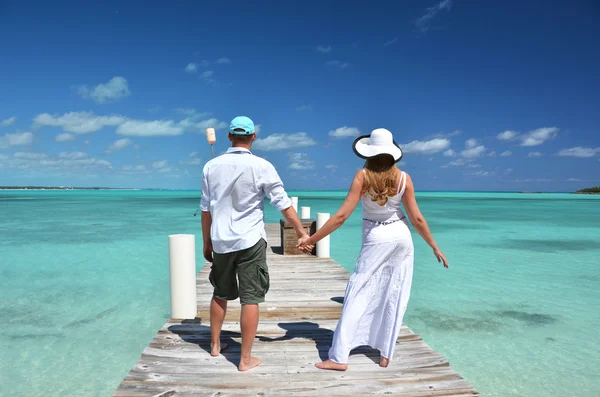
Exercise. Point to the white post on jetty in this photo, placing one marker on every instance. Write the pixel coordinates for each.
(323, 245)
(182, 275)
(304, 212)
(295, 203)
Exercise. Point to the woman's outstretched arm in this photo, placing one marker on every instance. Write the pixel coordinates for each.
(338, 219)
(418, 220)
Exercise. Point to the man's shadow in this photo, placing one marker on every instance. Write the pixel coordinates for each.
(193, 331)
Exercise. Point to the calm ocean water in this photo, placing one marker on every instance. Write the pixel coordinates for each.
(84, 278)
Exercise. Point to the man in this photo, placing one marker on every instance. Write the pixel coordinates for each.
(233, 189)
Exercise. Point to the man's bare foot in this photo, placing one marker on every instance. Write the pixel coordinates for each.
(384, 362)
(216, 350)
(328, 364)
(245, 365)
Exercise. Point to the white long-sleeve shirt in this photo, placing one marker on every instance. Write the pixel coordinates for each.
(234, 185)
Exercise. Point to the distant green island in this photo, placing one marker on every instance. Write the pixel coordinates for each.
(589, 190)
(60, 188)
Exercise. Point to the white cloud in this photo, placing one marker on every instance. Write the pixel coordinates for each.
(473, 149)
(159, 164)
(119, 144)
(535, 154)
(508, 171)
(8, 121)
(191, 68)
(323, 49)
(300, 161)
(390, 42)
(424, 21)
(186, 111)
(223, 60)
(304, 108)
(78, 122)
(72, 155)
(135, 169)
(116, 88)
(64, 137)
(150, 128)
(69, 162)
(16, 139)
(573, 180)
(579, 151)
(192, 159)
(30, 155)
(191, 124)
(471, 165)
(344, 132)
(331, 166)
(284, 141)
(481, 173)
(531, 138)
(538, 136)
(449, 153)
(471, 143)
(426, 147)
(506, 153)
(507, 135)
(337, 64)
(492, 153)
(207, 74)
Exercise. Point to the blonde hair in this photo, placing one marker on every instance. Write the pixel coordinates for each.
(381, 178)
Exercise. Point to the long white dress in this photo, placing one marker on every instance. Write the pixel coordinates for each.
(378, 291)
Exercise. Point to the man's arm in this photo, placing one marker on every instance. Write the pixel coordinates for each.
(206, 217)
(291, 216)
(206, 224)
(273, 189)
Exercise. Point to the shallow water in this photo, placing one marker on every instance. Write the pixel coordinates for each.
(84, 278)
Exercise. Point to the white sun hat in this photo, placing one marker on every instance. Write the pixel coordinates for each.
(381, 141)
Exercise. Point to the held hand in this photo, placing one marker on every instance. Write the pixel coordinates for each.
(208, 252)
(440, 257)
(304, 244)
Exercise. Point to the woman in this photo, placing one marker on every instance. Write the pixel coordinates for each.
(377, 292)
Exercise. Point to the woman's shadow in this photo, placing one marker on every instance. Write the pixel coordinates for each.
(305, 330)
(321, 336)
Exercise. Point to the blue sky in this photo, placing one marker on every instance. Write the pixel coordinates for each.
(494, 95)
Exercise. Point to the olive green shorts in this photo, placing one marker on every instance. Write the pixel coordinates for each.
(248, 267)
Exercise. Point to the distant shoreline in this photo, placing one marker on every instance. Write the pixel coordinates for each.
(66, 188)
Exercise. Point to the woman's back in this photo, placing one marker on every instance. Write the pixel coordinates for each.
(390, 211)
(385, 223)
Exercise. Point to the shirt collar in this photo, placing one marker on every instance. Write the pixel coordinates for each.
(238, 150)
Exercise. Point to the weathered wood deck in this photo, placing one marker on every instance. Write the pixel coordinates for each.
(295, 331)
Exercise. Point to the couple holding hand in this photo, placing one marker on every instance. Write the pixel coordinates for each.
(233, 189)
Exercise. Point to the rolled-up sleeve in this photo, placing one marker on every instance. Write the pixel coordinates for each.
(273, 188)
(205, 199)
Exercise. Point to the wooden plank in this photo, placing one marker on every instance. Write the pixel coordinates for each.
(297, 323)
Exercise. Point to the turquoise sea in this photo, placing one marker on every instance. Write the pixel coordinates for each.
(84, 286)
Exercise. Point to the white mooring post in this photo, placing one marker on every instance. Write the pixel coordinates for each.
(295, 203)
(323, 245)
(182, 275)
(304, 212)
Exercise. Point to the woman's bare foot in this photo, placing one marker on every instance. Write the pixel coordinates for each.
(384, 362)
(328, 364)
(216, 350)
(245, 365)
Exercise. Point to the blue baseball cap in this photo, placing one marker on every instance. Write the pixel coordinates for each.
(242, 123)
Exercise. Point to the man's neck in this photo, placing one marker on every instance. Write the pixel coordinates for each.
(242, 146)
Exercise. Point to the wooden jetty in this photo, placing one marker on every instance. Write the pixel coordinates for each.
(295, 332)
